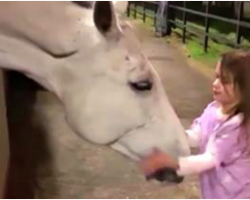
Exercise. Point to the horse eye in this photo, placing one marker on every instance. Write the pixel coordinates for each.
(144, 85)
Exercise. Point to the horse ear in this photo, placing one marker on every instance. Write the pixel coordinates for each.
(104, 17)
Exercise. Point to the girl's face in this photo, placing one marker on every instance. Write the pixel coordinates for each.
(224, 90)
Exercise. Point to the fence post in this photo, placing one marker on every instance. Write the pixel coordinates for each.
(155, 13)
(184, 22)
(128, 9)
(168, 23)
(144, 11)
(207, 24)
(135, 10)
(239, 18)
(4, 137)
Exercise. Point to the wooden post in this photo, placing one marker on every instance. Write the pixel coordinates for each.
(184, 18)
(144, 11)
(155, 13)
(128, 9)
(135, 10)
(239, 18)
(168, 27)
(4, 141)
(207, 24)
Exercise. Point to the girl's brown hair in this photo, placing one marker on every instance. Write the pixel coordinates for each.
(237, 65)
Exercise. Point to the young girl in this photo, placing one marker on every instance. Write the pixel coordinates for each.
(222, 134)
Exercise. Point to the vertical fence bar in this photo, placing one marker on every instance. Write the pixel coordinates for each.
(184, 18)
(207, 23)
(239, 18)
(128, 9)
(4, 135)
(155, 12)
(144, 11)
(168, 24)
(135, 10)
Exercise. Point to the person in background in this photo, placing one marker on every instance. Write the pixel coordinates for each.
(164, 14)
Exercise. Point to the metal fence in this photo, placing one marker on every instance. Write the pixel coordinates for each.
(148, 9)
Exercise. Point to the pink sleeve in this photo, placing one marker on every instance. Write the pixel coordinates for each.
(224, 146)
(221, 149)
(194, 134)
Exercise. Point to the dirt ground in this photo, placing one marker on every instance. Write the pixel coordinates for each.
(50, 161)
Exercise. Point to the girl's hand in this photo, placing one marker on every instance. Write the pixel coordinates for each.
(158, 160)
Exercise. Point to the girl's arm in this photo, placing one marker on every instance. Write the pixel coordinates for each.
(196, 164)
(221, 148)
(184, 166)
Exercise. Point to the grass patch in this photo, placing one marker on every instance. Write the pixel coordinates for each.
(194, 43)
(195, 50)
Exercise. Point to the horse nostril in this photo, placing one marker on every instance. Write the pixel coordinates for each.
(166, 174)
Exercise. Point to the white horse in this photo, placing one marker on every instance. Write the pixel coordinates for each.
(93, 63)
